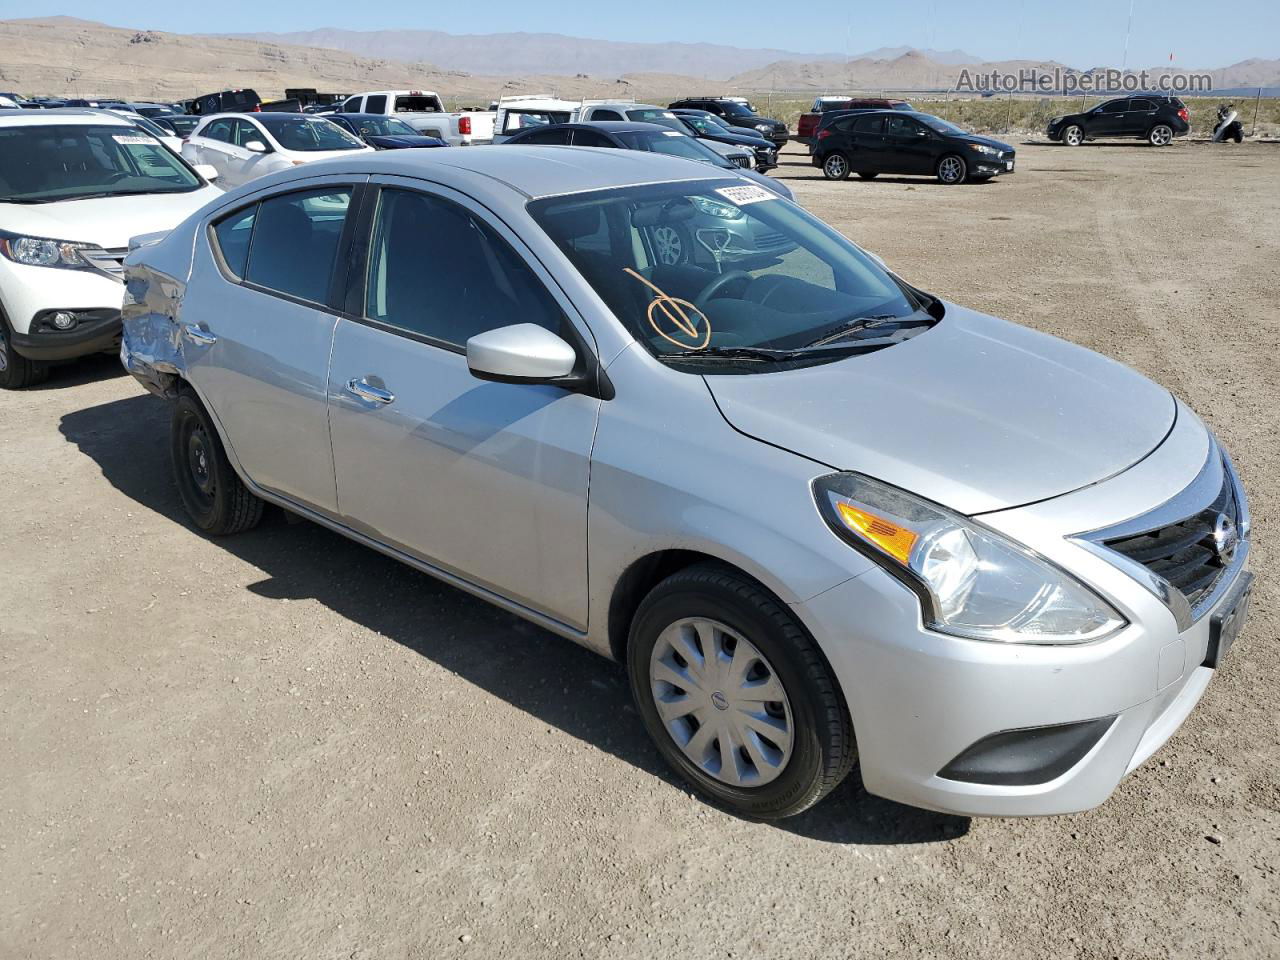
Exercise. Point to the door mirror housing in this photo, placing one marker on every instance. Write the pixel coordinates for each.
(520, 353)
(208, 171)
(256, 146)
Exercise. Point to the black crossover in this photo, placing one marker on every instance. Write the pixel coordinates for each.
(871, 142)
(1156, 119)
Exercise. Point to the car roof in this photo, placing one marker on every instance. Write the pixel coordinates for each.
(531, 171)
(63, 116)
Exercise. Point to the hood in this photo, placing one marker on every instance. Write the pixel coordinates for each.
(401, 142)
(977, 414)
(769, 183)
(749, 139)
(989, 141)
(107, 221)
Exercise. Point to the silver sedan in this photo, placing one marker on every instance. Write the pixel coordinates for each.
(823, 517)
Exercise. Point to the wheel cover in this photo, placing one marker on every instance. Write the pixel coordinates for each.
(668, 245)
(1073, 136)
(1161, 135)
(950, 169)
(721, 702)
(836, 165)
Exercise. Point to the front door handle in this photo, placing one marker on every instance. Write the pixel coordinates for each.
(363, 389)
(197, 335)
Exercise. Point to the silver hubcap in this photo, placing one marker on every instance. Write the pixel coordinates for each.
(1073, 137)
(721, 702)
(1161, 135)
(669, 246)
(836, 166)
(950, 169)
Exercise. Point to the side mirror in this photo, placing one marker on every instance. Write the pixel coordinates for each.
(208, 171)
(520, 353)
(256, 146)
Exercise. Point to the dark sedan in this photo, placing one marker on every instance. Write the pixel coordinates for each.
(706, 126)
(383, 133)
(872, 142)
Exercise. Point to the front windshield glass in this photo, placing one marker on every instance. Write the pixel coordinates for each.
(309, 134)
(940, 125)
(42, 164)
(662, 117)
(729, 275)
(384, 127)
(675, 145)
(150, 126)
(735, 109)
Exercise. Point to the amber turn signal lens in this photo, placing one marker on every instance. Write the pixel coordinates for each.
(892, 539)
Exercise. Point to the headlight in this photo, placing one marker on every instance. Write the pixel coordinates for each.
(973, 582)
(38, 252)
(714, 209)
(764, 127)
(984, 149)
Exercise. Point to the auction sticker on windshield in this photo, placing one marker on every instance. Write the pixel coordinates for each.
(744, 195)
(134, 140)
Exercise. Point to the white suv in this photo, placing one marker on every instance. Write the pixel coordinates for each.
(74, 187)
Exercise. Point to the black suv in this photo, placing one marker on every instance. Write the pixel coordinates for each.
(738, 112)
(1151, 117)
(871, 142)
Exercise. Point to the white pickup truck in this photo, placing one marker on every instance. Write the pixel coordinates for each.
(424, 111)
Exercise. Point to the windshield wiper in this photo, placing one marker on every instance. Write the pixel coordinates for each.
(767, 354)
(865, 323)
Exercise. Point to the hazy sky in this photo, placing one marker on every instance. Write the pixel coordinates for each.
(1084, 33)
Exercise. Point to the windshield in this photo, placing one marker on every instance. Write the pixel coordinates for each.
(383, 127)
(675, 145)
(309, 134)
(735, 109)
(940, 125)
(714, 271)
(41, 164)
(663, 118)
(150, 126)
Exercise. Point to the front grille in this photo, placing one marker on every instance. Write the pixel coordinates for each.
(770, 240)
(108, 261)
(1184, 553)
(742, 162)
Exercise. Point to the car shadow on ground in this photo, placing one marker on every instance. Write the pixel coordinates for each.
(498, 652)
(92, 369)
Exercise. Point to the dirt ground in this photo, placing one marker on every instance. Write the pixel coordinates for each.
(286, 745)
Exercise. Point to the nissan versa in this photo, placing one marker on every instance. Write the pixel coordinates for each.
(823, 517)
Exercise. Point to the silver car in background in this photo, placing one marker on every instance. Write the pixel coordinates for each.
(822, 516)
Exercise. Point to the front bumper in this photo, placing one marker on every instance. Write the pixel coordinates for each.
(100, 335)
(921, 700)
(26, 292)
(983, 166)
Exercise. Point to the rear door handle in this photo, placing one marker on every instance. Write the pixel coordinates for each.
(363, 389)
(196, 335)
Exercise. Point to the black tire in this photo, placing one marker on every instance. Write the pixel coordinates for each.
(823, 746)
(16, 371)
(1073, 135)
(1161, 135)
(952, 169)
(835, 166)
(867, 175)
(1238, 135)
(213, 495)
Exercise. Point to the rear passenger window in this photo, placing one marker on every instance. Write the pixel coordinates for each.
(376, 104)
(295, 242)
(1141, 105)
(873, 124)
(438, 272)
(233, 235)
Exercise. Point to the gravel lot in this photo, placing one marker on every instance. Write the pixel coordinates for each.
(286, 745)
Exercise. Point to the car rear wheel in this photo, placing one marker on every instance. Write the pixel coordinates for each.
(1161, 135)
(736, 696)
(952, 169)
(867, 175)
(836, 166)
(1073, 136)
(214, 496)
(16, 371)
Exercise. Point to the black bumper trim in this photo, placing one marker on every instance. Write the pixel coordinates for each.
(1031, 755)
(98, 336)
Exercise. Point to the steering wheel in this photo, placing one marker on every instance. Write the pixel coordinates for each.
(716, 286)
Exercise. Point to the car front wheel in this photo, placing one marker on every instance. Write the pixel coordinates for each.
(1161, 135)
(16, 371)
(952, 169)
(736, 696)
(836, 167)
(1073, 136)
(214, 496)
